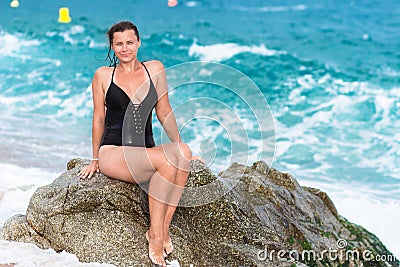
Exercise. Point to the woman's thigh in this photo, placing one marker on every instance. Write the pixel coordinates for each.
(130, 164)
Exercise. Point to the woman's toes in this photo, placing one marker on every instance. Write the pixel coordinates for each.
(168, 247)
(155, 249)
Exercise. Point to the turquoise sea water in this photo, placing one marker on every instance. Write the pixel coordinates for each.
(330, 71)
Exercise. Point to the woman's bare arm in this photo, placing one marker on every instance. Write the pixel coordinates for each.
(98, 110)
(97, 121)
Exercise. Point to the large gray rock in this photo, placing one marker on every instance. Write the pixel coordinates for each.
(104, 220)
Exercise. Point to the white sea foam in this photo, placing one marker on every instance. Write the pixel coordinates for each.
(265, 9)
(94, 44)
(388, 71)
(192, 3)
(67, 35)
(29, 255)
(224, 51)
(332, 132)
(17, 186)
(76, 106)
(379, 216)
(75, 29)
(341, 108)
(12, 43)
(76, 35)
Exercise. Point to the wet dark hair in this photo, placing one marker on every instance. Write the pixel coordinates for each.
(118, 27)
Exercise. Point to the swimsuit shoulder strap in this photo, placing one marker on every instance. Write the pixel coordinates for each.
(146, 69)
(112, 81)
(112, 76)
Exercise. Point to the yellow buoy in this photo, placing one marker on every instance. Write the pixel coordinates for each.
(14, 3)
(64, 15)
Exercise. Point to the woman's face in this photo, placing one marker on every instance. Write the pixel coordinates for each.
(125, 45)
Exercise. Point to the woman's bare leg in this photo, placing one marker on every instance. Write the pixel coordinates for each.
(166, 167)
(183, 155)
(160, 185)
(137, 165)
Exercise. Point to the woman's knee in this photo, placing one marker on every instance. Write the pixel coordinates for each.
(165, 162)
(185, 151)
(185, 155)
(176, 154)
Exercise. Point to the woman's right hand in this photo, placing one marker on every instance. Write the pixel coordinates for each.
(89, 170)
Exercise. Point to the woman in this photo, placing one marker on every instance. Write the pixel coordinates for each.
(123, 147)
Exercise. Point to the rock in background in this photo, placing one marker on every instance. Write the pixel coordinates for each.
(104, 220)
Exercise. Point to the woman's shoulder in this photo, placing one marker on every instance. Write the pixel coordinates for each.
(104, 70)
(154, 66)
(103, 73)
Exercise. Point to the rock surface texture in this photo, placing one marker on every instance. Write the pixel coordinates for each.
(263, 212)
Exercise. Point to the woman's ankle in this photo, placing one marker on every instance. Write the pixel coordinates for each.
(155, 235)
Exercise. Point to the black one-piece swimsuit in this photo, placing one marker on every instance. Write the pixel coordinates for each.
(126, 123)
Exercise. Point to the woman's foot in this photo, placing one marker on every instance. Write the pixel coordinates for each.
(156, 253)
(168, 247)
